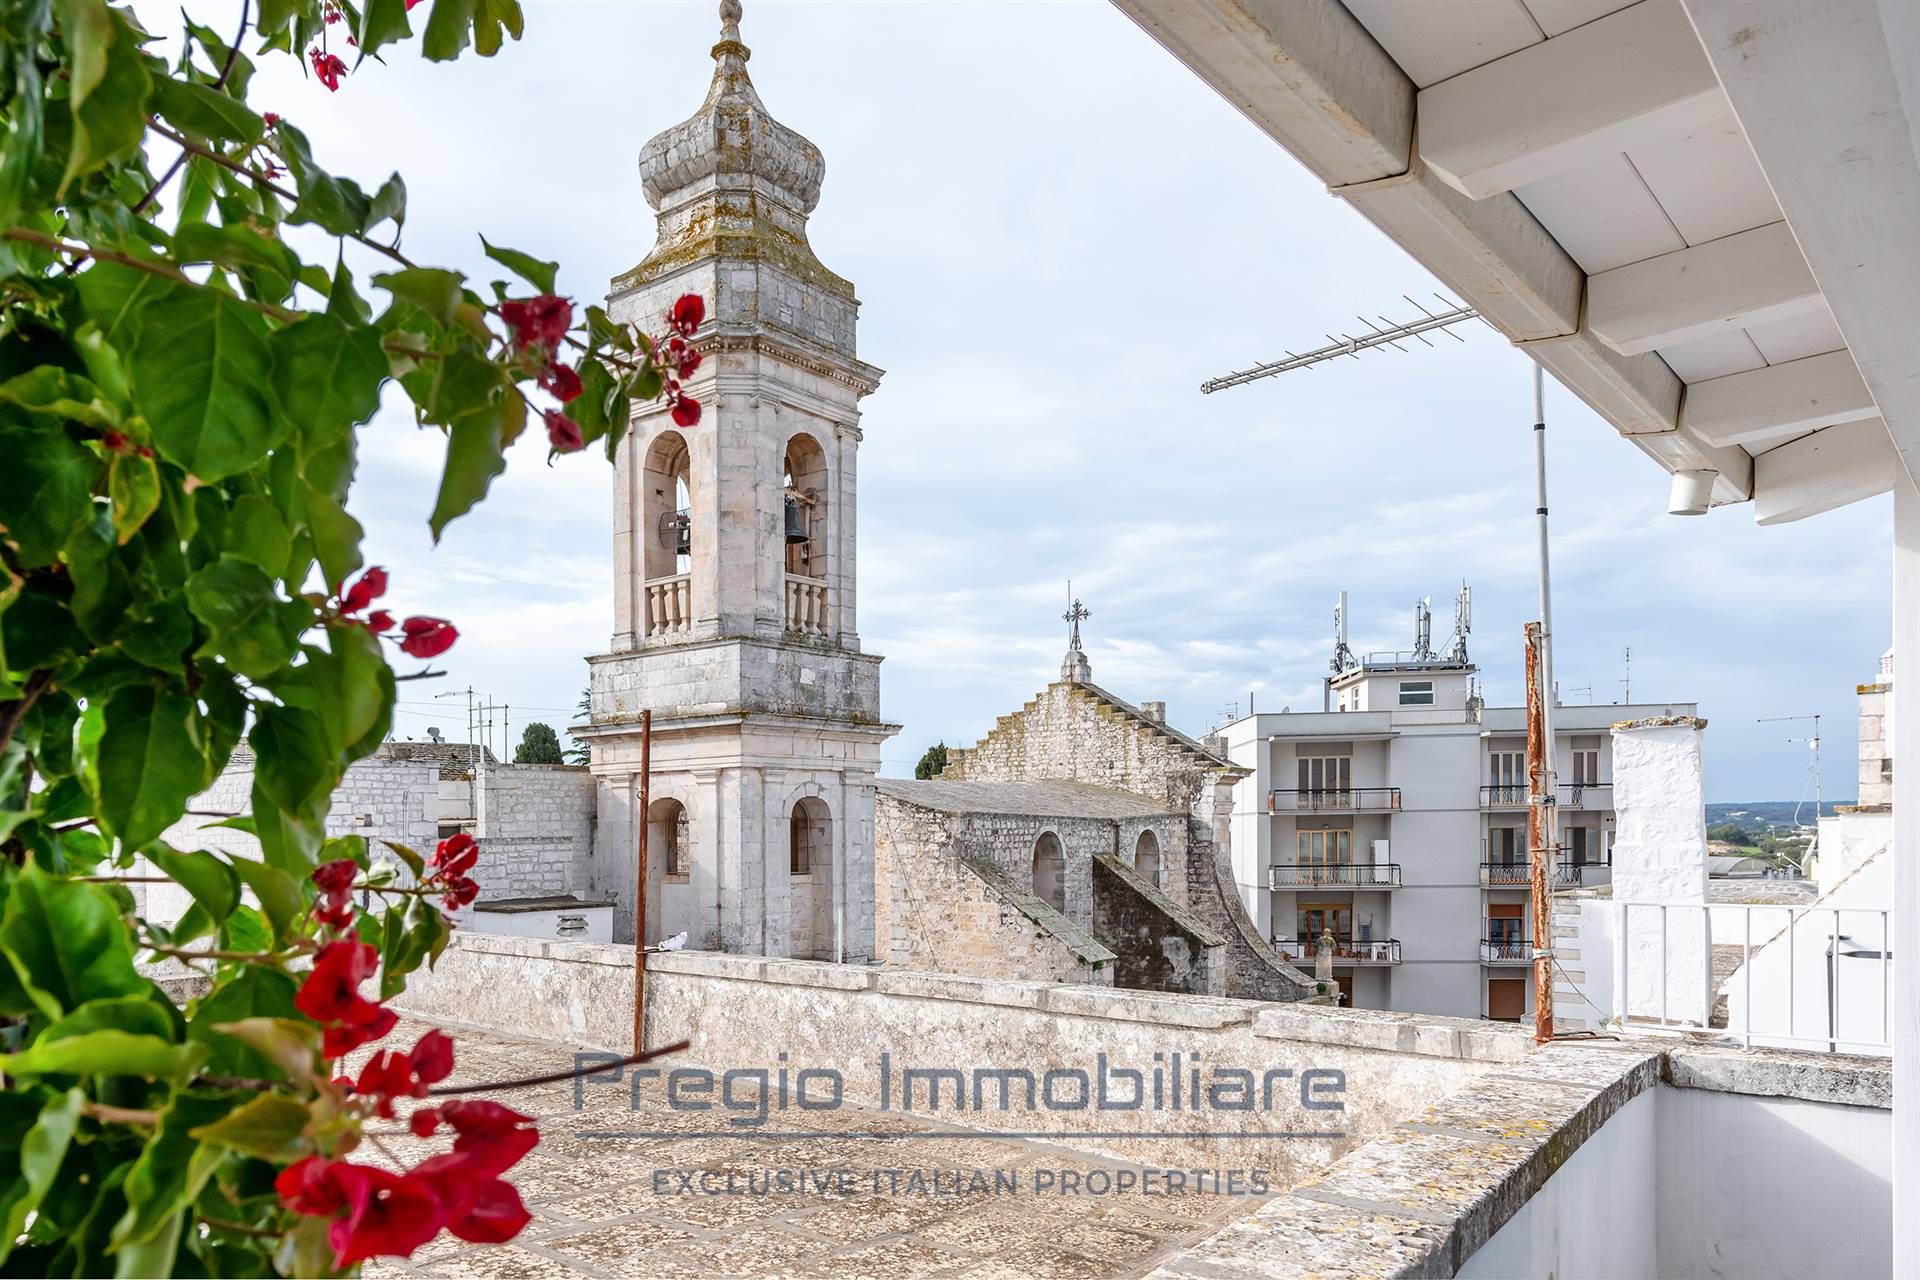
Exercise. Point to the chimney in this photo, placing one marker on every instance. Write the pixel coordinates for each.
(1154, 711)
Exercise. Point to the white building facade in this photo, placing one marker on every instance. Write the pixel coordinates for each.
(1397, 823)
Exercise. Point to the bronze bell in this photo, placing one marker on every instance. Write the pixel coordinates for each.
(796, 521)
(676, 531)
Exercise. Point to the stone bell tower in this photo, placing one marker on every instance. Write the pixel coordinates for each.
(734, 584)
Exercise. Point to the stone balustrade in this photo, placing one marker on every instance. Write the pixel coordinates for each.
(806, 602)
(669, 606)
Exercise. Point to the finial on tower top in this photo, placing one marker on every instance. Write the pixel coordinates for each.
(730, 45)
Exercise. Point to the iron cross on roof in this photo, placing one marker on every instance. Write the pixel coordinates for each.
(1075, 614)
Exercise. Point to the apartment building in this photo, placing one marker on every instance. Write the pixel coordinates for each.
(1396, 821)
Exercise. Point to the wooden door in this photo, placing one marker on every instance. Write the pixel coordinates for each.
(1507, 999)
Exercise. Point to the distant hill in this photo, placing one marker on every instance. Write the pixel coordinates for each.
(1763, 816)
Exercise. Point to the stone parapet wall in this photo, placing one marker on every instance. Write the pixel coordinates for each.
(745, 1012)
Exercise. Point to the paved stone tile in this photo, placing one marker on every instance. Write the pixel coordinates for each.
(598, 1212)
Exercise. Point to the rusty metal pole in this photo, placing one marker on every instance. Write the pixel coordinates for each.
(640, 891)
(1539, 845)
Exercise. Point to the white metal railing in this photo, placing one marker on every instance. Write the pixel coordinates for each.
(669, 605)
(1813, 977)
(806, 605)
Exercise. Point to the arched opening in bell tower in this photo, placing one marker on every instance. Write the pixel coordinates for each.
(810, 879)
(803, 483)
(666, 534)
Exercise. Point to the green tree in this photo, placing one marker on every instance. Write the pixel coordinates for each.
(932, 761)
(538, 745)
(1731, 833)
(576, 752)
(182, 392)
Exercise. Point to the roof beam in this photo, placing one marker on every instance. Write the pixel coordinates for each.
(1308, 74)
(1710, 289)
(1568, 101)
(1825, 470)
(1784, 399)
(1825, 93)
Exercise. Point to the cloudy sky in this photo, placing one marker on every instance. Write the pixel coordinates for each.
(1057, 232)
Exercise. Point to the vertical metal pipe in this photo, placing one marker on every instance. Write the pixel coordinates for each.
(640, 892)
(1539, 815)
(1543, 824)
(1746, 967)
(1665, 985)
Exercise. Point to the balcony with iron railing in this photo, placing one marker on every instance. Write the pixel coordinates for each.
(1563, 874)
(1504, 795)
(1586, 795)
(1503, 949)
(1383, 951)
(1334, 800)
(1283, 876)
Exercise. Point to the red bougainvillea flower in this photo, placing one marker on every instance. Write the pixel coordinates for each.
(410, 4)
(561, 381)
(425, 1122)
(379, 621)
(494, 1215)
(271, 119)
(493, 1137)
(114, 442)
(460, 891)
(387, 1214)
(688, 311)
(541, 321)
(328, 67)
(309, 1186)
(335, 877)
(563, 433)
(331, 992)
(426, 637)
(682, 357)
(339, 1041)
(387, 1075)
(456, 855)
(685, 409)
(370, 586)
(432, 1057)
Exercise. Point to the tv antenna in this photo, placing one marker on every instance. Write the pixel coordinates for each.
(1387, 333)
(1626, 684)
(1812, 741)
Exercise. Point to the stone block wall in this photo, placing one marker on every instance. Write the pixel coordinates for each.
(1158, 946)
(940, 908)
(378, 798)
(536, 831)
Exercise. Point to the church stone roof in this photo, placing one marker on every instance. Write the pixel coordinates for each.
(1039, 799)
(1159, 726)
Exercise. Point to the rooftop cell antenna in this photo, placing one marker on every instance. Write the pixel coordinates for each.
(1343, 659)
(1423, 629)
(1462, 625)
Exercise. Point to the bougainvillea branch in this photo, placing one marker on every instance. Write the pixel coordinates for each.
(182, 404)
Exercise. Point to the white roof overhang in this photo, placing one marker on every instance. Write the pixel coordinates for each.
(1598, 178)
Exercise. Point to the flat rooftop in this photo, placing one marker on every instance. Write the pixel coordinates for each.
(597, 1211)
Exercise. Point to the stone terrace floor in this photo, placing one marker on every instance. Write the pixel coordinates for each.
(596, 1211)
